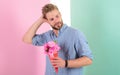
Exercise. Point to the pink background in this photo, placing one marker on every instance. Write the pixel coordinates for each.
(16, 57)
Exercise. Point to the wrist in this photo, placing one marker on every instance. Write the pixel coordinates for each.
(66, 63)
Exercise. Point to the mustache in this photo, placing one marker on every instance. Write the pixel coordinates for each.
(57, 23)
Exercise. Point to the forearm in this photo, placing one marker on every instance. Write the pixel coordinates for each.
(76, 63)
(27, 38)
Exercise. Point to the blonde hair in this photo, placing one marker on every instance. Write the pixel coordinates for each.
(47, 8)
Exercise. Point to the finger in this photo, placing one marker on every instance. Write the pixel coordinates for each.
(54, 61)
(54, 65)
(56, 58)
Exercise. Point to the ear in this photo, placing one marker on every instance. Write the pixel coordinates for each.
(47, 20)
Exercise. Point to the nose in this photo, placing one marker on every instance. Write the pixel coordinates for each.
(56, 20)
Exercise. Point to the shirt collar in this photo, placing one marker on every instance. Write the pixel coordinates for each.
(63, 28)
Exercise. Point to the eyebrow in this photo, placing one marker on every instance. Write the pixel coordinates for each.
(55, 16)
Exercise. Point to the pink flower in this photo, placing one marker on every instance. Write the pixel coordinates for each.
(51, 44)
(51, 47)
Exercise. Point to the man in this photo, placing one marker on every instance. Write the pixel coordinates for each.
(74, 53)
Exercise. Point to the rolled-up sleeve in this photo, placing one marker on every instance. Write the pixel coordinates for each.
(82, 46)
(39, 39)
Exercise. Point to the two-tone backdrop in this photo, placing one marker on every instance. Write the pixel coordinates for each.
(98, 19)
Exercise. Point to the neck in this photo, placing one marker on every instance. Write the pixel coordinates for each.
(56, 32)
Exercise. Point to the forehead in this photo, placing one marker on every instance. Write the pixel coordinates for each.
(52, 13)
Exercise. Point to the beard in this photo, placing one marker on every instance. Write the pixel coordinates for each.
(57, 26)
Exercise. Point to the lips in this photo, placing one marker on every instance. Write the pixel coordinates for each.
(56, 24)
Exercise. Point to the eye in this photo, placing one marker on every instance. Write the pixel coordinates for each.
(51, 19)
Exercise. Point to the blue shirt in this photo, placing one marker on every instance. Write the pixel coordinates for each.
(73, 45)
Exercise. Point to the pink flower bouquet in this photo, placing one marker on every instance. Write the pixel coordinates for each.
(51, 48)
